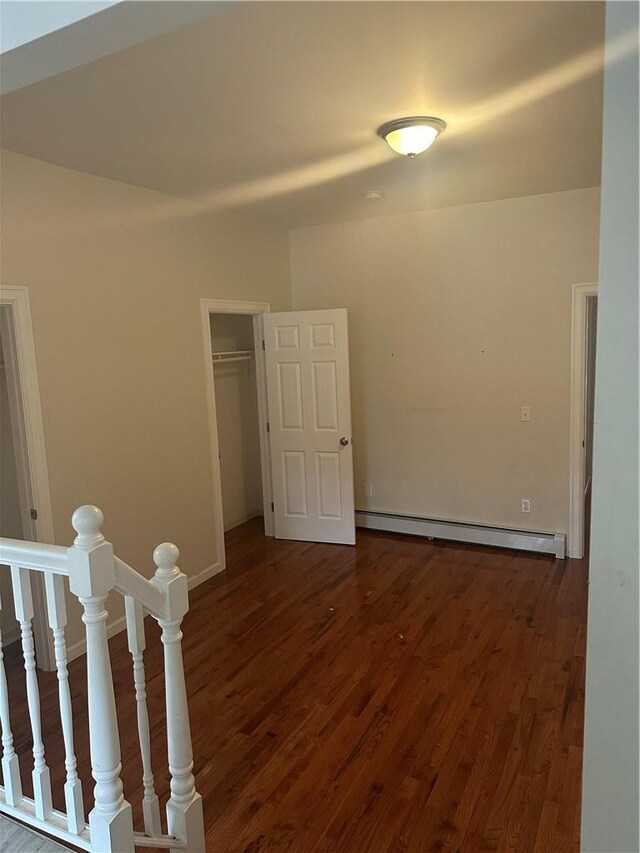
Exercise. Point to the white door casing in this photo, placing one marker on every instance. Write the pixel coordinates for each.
(307, 360)
(580, 294)
(29, 445)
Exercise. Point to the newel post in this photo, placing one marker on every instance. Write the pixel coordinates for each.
(91, 577)
(184, 809)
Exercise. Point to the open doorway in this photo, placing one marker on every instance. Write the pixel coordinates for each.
(236, 393)
(583, 368)
(10, 510)
(238, 423)
(25, 505)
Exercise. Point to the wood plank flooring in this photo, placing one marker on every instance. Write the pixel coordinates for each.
(402, 695)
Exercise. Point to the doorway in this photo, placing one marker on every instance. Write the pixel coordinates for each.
(234, 379)
(25, 511)
(583, 367)
(295, 383)
(10, 510)
(232, 334)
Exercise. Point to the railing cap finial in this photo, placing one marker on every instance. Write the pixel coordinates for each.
(166, 556)
(87, 521)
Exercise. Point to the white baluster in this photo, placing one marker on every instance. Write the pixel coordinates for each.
(184, 809)
(24, 614)
(10, 766)
(135, 634)
(91, 577)
(57, 613)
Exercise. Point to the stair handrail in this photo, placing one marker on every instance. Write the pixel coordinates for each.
(40, 557)
(34, 555)
(93, 572)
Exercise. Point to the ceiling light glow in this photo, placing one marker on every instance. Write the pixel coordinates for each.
(412, 135)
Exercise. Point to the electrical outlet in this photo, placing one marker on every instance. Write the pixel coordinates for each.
(526, 505)
(368, 490)
(525, 413)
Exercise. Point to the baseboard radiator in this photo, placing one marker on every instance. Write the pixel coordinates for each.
(478, 534)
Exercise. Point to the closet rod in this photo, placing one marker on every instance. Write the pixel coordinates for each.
(232, 355)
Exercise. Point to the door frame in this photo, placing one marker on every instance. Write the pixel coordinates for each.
(29, 445)
(256, 310)
(580, 293)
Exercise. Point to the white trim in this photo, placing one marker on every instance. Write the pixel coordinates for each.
(55, 825)
(17, 300)
(243, 520)
(218, 523)
(18, 431)
(478, 534)
(263, 419)
(22, 348)
(232, 306)
(579, 295)
(205, 575)
(235, 306)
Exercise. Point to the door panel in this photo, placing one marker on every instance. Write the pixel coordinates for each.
(290, 395)
(307, 359)
(325, 395)
(295, 484)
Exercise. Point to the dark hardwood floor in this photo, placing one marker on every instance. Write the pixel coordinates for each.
(403, 695)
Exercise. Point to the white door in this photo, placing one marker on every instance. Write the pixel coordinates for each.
(307, 358)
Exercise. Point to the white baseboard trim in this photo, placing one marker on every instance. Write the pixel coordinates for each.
(239, 521)
(205, 574)
(113, 628)
(478, 534)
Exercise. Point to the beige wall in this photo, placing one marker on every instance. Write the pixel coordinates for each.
(115, 274)
(458, 317)
(237, 419)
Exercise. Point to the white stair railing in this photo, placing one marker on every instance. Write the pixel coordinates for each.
(93, 572)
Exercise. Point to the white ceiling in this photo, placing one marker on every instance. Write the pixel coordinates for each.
(271, 107)
(23, 22)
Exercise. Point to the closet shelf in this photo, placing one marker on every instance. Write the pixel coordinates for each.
(233, 355)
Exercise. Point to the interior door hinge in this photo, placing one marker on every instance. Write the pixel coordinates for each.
(272, 507)
(263, 346)
(268, 427)
(34, 514)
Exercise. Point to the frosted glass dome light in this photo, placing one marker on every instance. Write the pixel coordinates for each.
(413, 135)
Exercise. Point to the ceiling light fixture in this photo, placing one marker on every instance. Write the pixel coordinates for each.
(412, 135)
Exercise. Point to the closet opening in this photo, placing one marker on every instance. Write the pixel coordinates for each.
(238, 422)
(234, 377)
